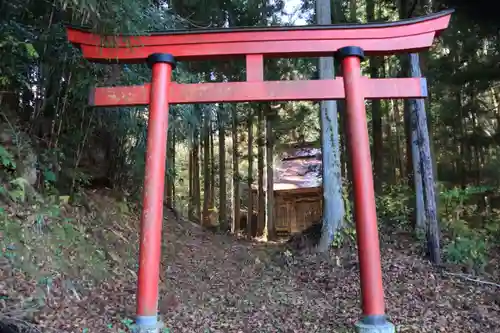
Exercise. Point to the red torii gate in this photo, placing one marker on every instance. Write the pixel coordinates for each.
(349, 44)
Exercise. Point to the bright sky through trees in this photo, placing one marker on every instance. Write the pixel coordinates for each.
(293, 14)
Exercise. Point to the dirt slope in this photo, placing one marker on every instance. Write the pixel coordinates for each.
(213, 283)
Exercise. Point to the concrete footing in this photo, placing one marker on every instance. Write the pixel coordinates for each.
(142, 329)
(147, 329)
(387, 327)
(147, 325)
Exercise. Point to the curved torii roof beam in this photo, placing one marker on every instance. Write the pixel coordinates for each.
(409, 35)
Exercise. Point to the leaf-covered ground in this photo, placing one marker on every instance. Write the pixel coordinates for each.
(213, 283)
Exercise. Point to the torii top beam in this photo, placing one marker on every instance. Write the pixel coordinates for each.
(411, 35)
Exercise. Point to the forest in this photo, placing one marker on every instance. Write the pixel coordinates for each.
(234, 257)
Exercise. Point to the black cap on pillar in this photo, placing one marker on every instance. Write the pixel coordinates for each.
(349, 51)
(161, 57)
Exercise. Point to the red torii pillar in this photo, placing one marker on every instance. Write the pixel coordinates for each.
(161, 50)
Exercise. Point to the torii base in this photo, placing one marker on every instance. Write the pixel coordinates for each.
(148, 329)
(386, 327)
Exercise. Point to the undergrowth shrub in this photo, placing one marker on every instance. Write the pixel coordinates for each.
(44, 242)
(394, 206)
(468, 248)
(43, 235)
(469, 225)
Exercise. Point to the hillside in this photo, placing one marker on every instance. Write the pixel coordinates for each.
(215, 283)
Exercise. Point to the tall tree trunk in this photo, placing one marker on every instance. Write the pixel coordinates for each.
(415, 175)
(212, 164)
(378, 144)
(462, 151)
(250, 179)
(235, 226)
(212, 170)
(269, 230)
(419, 119)
(412, 150)
(410, 143)
(399, 144)
(333, 205)
(353, 8)
(206, 169)
(392, 158)
(261, 199)
(261, 210)
(495, 96)
(389, 134)
(172, 154)
(169, 182)
(196, 177)
(222, 168)
(475, 159)
(191, 182)
(426, 8)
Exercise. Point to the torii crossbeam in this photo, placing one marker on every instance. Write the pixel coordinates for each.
(349, 44)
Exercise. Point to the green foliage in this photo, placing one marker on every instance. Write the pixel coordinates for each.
(6, 158)
(468, 248)
(46, 239)
(465, 241)
(17, 192)
(37, 63)
(347, 234)
(456, 198)
(393, 205)
(468, 241)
